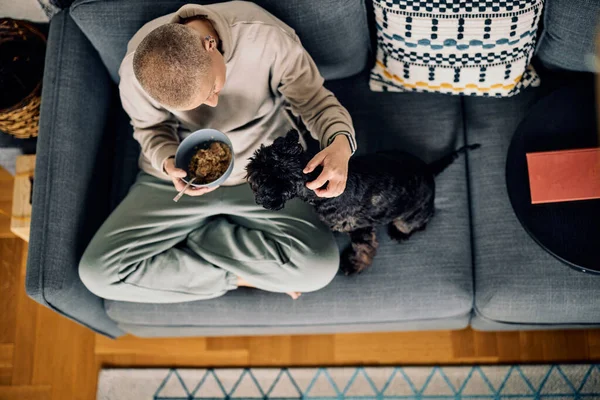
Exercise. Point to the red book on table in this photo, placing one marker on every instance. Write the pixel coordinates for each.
(565, 175)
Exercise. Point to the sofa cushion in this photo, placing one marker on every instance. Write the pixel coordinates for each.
(460, 48)
(334, 32)
(569, 34)
(426, 278)
(516, 281)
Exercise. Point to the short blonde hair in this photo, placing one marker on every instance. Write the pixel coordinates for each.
(171, 64)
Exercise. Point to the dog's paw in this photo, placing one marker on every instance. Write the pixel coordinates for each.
(395, 234)
(348, 269)
(351, 264)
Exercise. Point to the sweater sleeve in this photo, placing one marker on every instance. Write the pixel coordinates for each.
(297, 78)
(154, 127)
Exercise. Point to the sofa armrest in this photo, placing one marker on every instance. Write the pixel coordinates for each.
(72, 183)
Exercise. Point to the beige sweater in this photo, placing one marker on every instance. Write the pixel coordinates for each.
(268, 72)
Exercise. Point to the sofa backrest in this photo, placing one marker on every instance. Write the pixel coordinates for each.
(569, 36)
(334, 32)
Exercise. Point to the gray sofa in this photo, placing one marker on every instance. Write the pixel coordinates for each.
(473, 265)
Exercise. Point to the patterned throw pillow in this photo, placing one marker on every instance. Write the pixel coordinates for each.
(468, 47)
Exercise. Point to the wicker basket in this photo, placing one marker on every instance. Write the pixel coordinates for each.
(21, 118)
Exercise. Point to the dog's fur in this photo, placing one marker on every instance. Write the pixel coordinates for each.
(390, 188)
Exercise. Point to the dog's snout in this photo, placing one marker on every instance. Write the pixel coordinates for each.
(270, 205)
(277, 207)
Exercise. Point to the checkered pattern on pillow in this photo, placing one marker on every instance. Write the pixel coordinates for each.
(468, 47)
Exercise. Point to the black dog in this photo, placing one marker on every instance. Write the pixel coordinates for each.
(393, 188)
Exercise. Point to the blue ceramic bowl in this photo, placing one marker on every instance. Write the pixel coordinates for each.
(190, 145)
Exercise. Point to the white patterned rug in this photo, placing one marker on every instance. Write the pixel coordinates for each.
(422, 383)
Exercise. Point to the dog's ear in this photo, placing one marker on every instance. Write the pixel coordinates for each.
(288, 145)
(292, 146)
(292, 136)
(280, 142)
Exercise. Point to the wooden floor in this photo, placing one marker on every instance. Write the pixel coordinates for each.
(44, 356)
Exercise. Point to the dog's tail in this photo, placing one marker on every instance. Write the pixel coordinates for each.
(440, 165)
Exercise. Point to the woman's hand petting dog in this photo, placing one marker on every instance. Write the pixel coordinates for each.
(176, 174)
(334, 159)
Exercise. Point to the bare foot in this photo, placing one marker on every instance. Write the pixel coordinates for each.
(294, 295)
(241, 282)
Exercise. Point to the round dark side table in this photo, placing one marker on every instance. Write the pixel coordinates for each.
(570, 231)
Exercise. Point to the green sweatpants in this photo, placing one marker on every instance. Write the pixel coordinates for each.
(154, 250)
